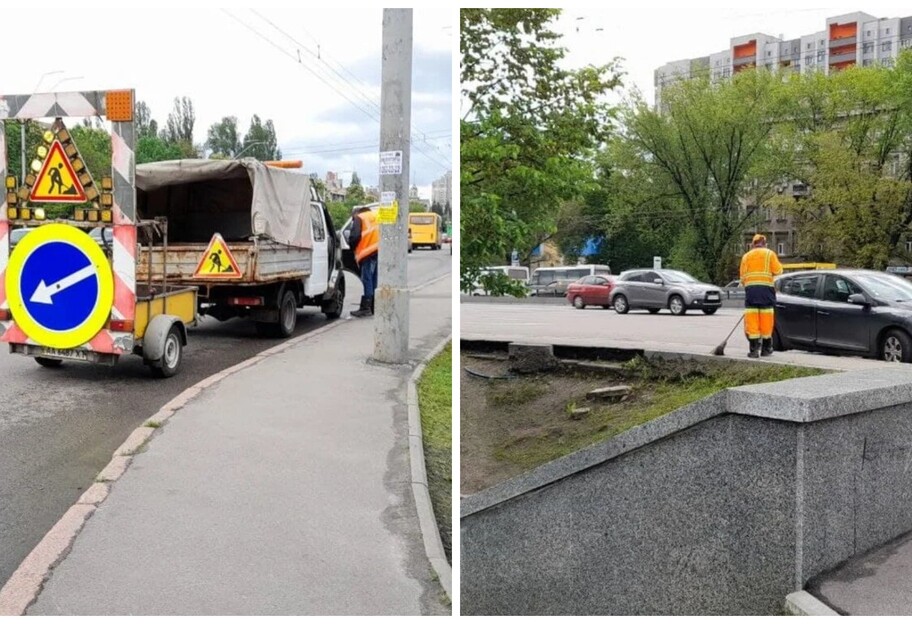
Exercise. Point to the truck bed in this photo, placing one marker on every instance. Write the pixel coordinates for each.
(260, 262)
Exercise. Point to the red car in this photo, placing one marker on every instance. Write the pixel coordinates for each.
(591, 290)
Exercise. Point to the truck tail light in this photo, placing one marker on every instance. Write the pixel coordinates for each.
(121, 325)
(245, 301)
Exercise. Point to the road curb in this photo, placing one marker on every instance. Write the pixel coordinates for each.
(804, 603)
(433, 546)
(25, 585)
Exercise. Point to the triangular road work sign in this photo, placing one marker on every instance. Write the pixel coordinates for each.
(217, 261)
(57, 181)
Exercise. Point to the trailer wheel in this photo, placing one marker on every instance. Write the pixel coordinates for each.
(172, 354)
(49, 362)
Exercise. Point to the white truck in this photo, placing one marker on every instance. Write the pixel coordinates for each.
(255, 238)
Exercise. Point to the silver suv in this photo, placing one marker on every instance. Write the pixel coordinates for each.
(654, 290)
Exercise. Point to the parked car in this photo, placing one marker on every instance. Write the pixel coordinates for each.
(658, 289)
(591, 290)
(733, 290)
(846, 311)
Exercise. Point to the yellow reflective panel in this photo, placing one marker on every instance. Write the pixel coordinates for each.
(42, 151)
(48, 136)
(39, 213)
(36, 165)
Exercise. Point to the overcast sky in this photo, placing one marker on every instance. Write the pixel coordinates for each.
(214, 57)
(648, 37)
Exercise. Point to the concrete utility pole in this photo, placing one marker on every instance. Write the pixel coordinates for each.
(391, 306)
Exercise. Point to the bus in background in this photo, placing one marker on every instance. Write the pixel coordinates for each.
(426, 228)
(553, 281)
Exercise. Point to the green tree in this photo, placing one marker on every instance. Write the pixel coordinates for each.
(179, 127)
(13, 130)
(852, 133)
(527, 135)
(260, 142)
(223, 138)
(155, 149)
(94, 146)
(626, 212)
(354, 194)
(145, 125)
(713, 151)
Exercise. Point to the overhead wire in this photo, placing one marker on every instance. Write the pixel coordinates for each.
(365, 98)
(297, 59)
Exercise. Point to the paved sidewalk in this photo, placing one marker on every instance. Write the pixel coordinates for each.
(876, 583)
(283, 489)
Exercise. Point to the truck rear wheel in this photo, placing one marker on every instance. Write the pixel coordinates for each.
(288, 318)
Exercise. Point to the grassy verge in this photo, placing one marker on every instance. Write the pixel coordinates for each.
(511, 426)
(435, 399)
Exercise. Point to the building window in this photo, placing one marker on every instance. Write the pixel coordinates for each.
(820, 55)
(909, 246)
(887, 46)
(822, 43)
(868, 33)
(887, 62)
(809, 60)
(867, 48)
(809, 46)
(906, 43)
(888, 31)
(866, 63)
(780, 249)
(769, 53)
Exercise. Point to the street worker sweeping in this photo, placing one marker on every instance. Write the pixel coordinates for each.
(758, 268)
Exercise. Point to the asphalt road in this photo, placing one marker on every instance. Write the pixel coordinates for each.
(694, 332)
(58, 428)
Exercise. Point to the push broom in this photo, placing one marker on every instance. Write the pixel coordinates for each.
(720, 350)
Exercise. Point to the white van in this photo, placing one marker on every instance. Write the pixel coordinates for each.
(518, 273)
(553, 281)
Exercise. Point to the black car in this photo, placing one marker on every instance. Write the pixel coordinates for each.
(853, 312)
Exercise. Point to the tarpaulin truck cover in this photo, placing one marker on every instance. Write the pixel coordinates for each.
(236, 198)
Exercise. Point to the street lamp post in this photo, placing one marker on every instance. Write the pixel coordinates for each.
(391, 323)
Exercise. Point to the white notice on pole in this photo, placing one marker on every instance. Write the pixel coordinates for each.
(657, 262)
(391, 163)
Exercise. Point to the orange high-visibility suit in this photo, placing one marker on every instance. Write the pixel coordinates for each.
(758, 268)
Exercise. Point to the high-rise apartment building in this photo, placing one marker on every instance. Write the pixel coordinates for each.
(442, 190)
(850, 39)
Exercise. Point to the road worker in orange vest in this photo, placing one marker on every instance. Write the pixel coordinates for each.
(364, 239)
(758, 268)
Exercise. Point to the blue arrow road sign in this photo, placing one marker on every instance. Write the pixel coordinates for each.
(59, 286)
